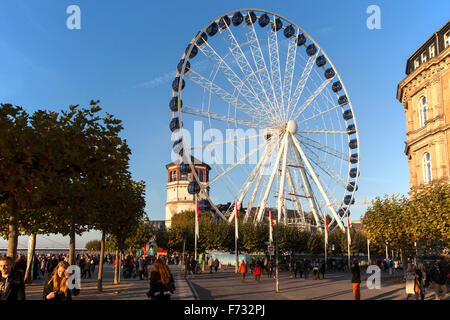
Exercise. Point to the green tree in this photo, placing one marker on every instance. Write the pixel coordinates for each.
(428, 213)
(93, 245)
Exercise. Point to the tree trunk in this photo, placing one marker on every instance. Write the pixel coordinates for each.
(100, 265)
(13, 229)
(117, 267)
(72, 243)
(30, 260)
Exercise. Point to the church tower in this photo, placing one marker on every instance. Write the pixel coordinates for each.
(178, 198)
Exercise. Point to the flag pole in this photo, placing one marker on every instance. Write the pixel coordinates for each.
(326, 240)
(348, 242)
(236, 236)
(196, 227)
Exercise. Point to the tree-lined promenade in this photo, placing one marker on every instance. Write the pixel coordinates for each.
(398, 222)
(66, 173)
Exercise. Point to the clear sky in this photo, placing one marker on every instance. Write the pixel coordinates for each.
(126, 53)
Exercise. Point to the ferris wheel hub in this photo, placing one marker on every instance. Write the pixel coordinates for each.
(291, 127)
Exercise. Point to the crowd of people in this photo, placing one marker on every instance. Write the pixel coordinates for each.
(419, 277)
(54, 270)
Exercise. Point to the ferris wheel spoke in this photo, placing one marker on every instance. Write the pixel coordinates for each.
(221, 117)
(319, 131)
(318, 146)
(289, 71)
(275, 71)
(263, 204)
(295, 194)
(316, 180)
(246, 186)
(234, 165)
(308, 101)
(234, 80)
(258, 182)
(281, 192)
(245, 67)
(223, 95)
(263, 75)
(326, 168)
(224, 142)
(306, 184)
(317, 115)
(293, 101)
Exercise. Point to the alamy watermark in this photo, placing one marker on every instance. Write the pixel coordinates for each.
(374, 20)
(74, 20)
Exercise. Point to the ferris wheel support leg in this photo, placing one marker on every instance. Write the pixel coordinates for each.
(293, 190)
(317, 182)
(312, 203)
(258, 182)
(263, 204)
(281, 195)
(252, 177)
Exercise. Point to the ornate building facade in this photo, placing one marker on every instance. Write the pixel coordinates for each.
(178, 198)
(425, 95)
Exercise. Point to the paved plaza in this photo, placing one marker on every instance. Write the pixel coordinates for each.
(226, 285)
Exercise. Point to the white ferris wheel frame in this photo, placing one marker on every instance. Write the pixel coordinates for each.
(280, 89)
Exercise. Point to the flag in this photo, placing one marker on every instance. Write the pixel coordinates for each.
(348, 230)
(236, 228)
(326, 229)
(196, 220)
(270, 227)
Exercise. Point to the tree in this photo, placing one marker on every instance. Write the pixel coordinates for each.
(428, 213)
(93, 245)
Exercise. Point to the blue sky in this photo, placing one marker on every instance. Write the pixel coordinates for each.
(126, 53)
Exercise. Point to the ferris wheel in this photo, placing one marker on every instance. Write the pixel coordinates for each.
(259, 101)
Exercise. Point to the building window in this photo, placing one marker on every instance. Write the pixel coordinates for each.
(416, 63)
(423, 111)
(183, 177)
(431, 51)
(200, 176)
(447, 39)
(173, 176)
(424, 57)
(426, 163)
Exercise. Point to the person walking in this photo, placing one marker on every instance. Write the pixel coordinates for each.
(161, 281)
(257, 271)
(269, 268)
(51, 264)
(216, 265)
(55, 286)
(210, 264)
(300, 268)
(424, 281)
(141, 266)
(322, 270)
(243, 269)
(12, 287)
(306, 267)
(438, 279)
(417, 274)
(316, 271)
(356, 280)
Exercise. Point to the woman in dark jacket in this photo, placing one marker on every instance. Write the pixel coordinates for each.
(161, 280)
(55, 286)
